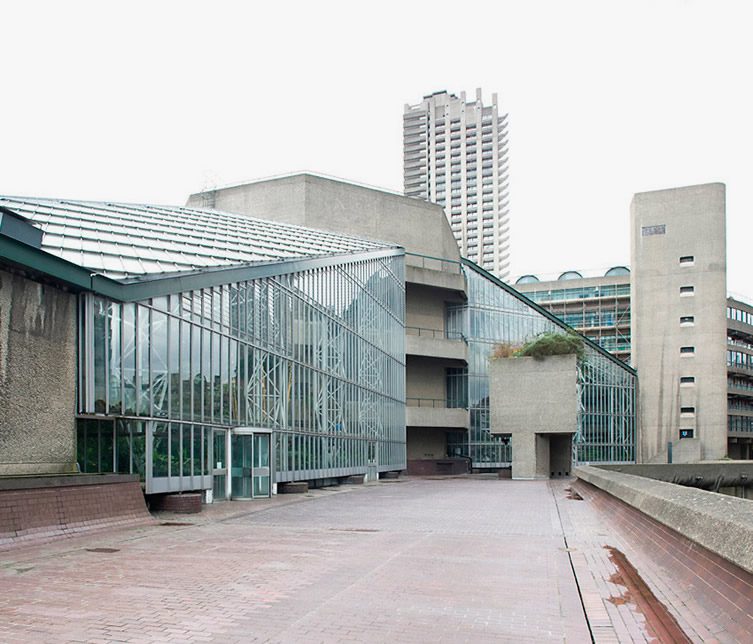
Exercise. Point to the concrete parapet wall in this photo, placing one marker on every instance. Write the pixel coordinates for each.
(720, 523)
(446, 418)
(438, 278)
(436, 347)
(709, 475)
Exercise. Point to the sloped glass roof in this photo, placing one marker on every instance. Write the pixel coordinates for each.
(128, 240)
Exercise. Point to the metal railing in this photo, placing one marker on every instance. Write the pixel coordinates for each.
(436, 334)
(436, 403)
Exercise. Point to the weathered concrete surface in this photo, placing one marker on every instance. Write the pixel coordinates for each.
(533, 400)
(328, 204)
(426, 443)
(435, 347)
(721, 523)
(438, 278)
(707, 475)
(667, 225)
(437, 417)
(37, 377)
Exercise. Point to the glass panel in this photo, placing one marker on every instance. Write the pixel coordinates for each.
(100, 350)
(196, 371)
(206, 373)
(261, 485)
(160, 450)
(174, 374)
(129, 359)
(123, 446)
(142, 361)
(138, 447)
(186, 450)
(105, 445)
(242, 448)
(261, 450)
(218, 489)
(115, 367)
(185, 369)
(197, 450)
(159, 371)
(175, 449)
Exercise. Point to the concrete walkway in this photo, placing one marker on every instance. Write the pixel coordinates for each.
(416, 560)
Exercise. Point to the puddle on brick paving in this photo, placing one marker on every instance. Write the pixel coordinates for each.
(573, 495)
(660, 623)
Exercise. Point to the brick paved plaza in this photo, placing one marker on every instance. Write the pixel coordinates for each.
(415, 560)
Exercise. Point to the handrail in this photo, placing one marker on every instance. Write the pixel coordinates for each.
(441, 334)
(436, 403)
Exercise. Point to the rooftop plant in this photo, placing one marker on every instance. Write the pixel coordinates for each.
(542, 346)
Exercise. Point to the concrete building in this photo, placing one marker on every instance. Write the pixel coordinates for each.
(739, 379)
(433, 281)
(544, 420)
(679, 330)
(224, 354)
(455, 315)
(455, 155)
(600, 307)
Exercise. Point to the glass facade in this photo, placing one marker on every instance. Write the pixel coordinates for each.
(600, 312)
(492, 315)
(581, 292)
(317, 356)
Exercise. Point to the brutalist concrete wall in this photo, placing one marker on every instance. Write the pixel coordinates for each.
(721, 523)
(529, 397)
(37, 377)
(328, 204)
(679, 326)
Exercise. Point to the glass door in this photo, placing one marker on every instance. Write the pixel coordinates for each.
(261, 471)
(220, 465)
(242, 450)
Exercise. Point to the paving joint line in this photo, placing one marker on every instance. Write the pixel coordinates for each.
(572, 565)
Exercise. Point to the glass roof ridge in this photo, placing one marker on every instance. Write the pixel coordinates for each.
(128, 240)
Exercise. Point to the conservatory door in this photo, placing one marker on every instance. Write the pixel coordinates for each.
(250, 469)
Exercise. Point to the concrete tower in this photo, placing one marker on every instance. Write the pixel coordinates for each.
(455, 154)
(679, 328)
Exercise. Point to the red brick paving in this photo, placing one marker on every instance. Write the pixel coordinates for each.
(454, 560)
(711, 599)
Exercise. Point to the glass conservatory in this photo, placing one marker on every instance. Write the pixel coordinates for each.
(223, 353)
(496, 313)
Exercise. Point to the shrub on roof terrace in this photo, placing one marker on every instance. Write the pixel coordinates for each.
(553, 344)
(542, 346)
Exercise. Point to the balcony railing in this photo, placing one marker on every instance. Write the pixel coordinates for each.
(435, 403)
(436, 334)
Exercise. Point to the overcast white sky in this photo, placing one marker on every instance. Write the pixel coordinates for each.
(150, 101)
